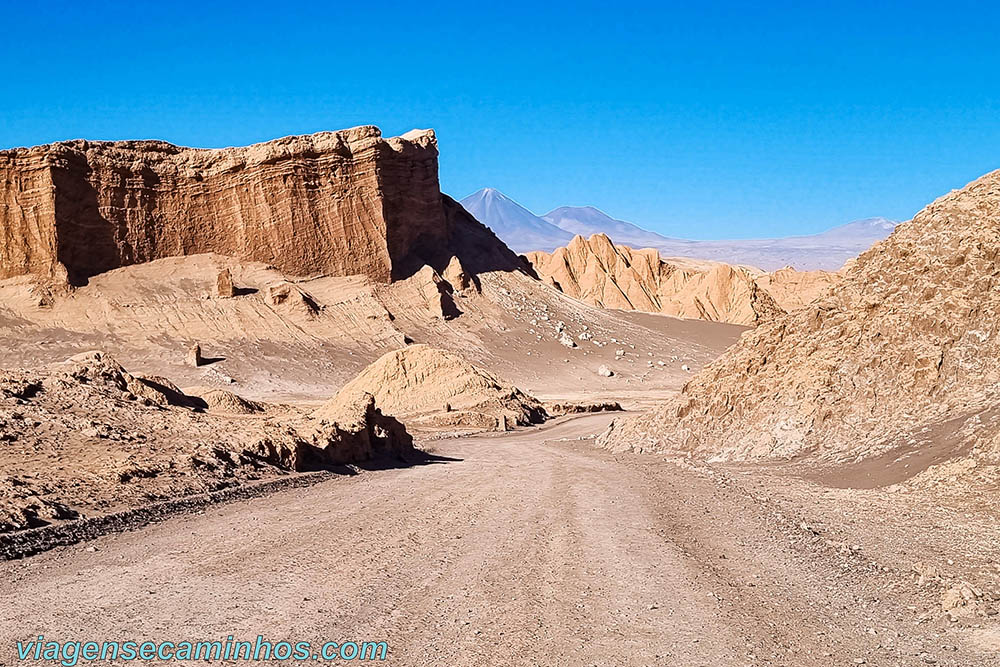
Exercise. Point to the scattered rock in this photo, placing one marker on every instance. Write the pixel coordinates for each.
(194, 356)
(224, 287)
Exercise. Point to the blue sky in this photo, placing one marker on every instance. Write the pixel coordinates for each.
(703, 120)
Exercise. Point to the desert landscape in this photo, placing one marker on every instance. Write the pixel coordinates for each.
(294, 388)
(499, 335)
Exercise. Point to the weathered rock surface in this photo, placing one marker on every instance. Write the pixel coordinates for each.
(224, 287)
(352, 429)
(334, 203)
(86, 435)
(908, 339)
(438, 388)
(792, 289)
(597, 271)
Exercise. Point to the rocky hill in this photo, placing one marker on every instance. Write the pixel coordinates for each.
(908, 342)
(334, 203)
(599, 272)
(435, 387)
(87, 435)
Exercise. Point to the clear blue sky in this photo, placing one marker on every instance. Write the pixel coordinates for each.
(703, 120)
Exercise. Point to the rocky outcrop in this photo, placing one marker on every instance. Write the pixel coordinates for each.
(791, 289)
(354, 430)
(597, 271)
(910, 338)
(428, 386)
(114, 439)
(335, 203)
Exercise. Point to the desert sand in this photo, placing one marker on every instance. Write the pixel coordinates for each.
(401, 434)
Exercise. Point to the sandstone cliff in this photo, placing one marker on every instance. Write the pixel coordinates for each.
(908, 339)
(334, 203)
(597, 271)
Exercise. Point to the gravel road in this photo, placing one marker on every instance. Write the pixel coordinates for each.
(530, 548)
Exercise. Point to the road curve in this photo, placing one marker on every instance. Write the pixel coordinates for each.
(530, 548)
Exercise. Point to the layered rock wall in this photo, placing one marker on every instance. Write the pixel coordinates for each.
(339, 203)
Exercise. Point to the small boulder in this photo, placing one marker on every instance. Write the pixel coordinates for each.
(194, 356)
(224, 287)
(605, 371)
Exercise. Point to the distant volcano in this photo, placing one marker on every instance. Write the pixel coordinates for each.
(524, 231)
(518, 227)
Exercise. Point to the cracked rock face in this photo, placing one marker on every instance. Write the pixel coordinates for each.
(909, 338)
(337, 203)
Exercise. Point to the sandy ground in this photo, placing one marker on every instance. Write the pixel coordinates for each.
(529, 548)
(526, 548)
(147, 316)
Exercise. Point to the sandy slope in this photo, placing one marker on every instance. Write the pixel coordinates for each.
(148, 316)
(522, 549)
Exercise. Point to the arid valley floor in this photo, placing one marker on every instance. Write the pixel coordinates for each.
(220, 415)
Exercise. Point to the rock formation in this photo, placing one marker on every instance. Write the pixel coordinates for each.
(86, 435)
(597, 271)
(792, 289)
(224, 287)
(352, 430)
(334, 203)
(910, 338)
(438, 388)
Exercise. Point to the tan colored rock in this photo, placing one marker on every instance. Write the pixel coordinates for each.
(96, 366)
(455, 274)
(194, 356)
(435, 293)
(352, 429)
(220, 400)
(123, 440)
(597, 271)
(419, 380)
(558, 409)
(792, 289)
(224, 287)
(907, 340)
(292, 298)
(337, 203)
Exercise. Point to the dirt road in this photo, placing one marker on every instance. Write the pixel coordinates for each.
(531, 548)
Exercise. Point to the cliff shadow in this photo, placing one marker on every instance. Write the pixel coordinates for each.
(475, 245)
(88, 242)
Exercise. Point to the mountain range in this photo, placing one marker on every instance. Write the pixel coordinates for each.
(524, 231)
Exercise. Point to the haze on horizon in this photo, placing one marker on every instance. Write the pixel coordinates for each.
(715, 122)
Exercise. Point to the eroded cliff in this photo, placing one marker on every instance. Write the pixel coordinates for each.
(335, 203)
(599, 272)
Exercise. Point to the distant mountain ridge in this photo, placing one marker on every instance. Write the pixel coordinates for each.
(518, 227)
(524, 231)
